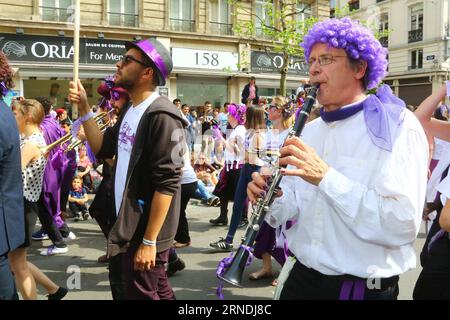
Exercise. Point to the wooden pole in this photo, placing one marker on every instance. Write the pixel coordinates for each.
(76, 52)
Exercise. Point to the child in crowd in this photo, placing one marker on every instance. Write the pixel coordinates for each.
(78, 199)
(84, 166)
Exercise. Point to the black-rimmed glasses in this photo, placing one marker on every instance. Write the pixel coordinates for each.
(127, 59)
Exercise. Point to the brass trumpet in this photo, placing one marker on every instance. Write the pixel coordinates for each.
(77, 142)
(46, 150)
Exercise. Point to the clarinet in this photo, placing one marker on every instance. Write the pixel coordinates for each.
(234, 271)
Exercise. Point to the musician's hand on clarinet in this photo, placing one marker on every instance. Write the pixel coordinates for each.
(79, 96)
(257, 187)
(308, 165)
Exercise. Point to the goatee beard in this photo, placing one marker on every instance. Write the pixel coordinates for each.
(126, 84)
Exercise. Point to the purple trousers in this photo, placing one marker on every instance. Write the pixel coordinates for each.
(146, 285)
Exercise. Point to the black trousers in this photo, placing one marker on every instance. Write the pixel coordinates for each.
(308, 284)
(187, 192)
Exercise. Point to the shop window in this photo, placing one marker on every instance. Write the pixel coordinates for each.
(219, 17)
(123, 13)
(56, 10)
(182, 15)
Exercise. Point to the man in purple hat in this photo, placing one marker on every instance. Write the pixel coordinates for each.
(146, 142)
(356, 180)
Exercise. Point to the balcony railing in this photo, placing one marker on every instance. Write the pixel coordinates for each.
(384, 41)
(415, 35)
(220, 28)
(56, 14)
(415, 67)
(182, 25)
(123, 19)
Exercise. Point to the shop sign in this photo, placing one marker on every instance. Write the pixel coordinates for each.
(164, 91)
(262, 62)
(60, 49)
(204, 59)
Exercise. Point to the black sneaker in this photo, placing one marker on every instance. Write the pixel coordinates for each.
(221, 244)
(219, 221)
(86, 215)
(175, 266)
(58, 295)
(214, 201)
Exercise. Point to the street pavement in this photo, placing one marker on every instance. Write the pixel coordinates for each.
(88, 280)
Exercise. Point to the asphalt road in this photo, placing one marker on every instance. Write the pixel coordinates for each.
(88, 279)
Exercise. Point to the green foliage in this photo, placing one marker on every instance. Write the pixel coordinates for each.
(280, 29)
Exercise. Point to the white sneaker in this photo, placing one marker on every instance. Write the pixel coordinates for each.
(52, 250)
(71, 236)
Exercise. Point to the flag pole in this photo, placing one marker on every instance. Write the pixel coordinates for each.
(76, 53)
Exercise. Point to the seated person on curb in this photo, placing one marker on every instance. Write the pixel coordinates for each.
(78, 199)
(205, 171)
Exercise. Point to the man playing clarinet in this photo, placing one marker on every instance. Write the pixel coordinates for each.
(355, 180)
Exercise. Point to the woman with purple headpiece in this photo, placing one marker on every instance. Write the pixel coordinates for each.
(355, 181)
(234, 156)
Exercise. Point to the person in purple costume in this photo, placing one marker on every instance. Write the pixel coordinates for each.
(49, 202)
(355, 180)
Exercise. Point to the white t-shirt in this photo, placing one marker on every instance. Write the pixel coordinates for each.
(239, 134)
(187, 172)
(127, 133)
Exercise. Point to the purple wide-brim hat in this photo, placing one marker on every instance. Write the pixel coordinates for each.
(156, 51)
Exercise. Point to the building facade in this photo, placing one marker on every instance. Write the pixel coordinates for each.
(418, 42)
(210, 61)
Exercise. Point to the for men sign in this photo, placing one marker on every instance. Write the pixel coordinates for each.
(263, 62)
(60, 49)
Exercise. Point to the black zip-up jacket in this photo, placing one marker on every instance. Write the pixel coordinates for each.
(155, 165)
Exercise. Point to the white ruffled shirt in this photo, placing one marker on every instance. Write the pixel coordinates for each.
(365, 214)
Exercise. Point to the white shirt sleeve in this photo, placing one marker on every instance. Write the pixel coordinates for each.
(278, 213)
(389, 211)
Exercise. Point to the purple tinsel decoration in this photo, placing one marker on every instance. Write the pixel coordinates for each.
(356, 40)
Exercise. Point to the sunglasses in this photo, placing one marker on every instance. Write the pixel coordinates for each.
(127, 59)
(273, 106)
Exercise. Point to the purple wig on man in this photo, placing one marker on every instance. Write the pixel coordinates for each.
(358, 41)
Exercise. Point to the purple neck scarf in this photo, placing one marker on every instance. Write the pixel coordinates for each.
(383, 112)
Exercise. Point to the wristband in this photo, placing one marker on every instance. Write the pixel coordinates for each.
(146, 242)
(86, 117)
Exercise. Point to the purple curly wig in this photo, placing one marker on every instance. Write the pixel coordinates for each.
(237, 111)
(358, 41)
